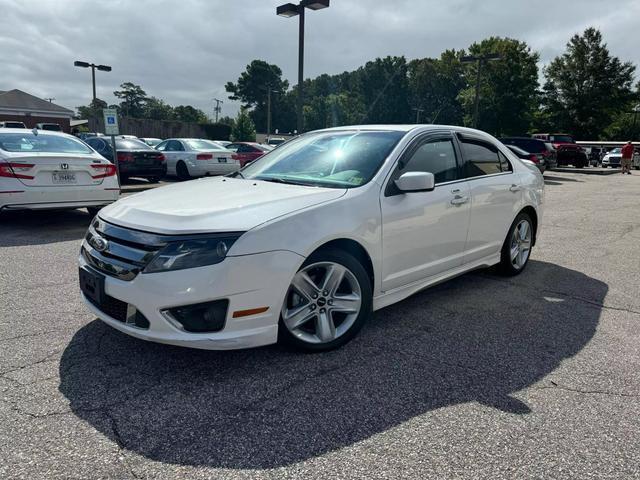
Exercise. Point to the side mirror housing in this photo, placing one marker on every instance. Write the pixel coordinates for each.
(416, 182)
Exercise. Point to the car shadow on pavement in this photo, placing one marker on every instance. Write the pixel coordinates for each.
(30, 227)
(556, 180)
(478, 338)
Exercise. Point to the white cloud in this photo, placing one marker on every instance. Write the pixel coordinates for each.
(184, 51)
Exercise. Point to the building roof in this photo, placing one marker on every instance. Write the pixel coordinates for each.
(18, 100)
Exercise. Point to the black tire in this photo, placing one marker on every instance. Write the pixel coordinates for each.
(124, 179)
(182, 171)
(93, 211)
(351, 263)
(506, 267)
(154, 179)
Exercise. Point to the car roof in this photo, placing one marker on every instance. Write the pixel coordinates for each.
(40, 132)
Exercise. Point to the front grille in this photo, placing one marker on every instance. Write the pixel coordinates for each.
(119, 252)
(121, 311)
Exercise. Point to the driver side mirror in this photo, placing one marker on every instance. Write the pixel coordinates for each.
(416, 182)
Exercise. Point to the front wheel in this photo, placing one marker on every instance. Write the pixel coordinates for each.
(182, 171)
(517, 246)
(327, 303)
(93, 211)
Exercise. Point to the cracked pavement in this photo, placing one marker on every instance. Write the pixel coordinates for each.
(482, 377)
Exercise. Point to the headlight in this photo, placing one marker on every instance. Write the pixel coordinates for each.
(191, 253)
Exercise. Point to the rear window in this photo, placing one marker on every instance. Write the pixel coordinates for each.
(262, 148)
(28, 142)
(128, 144)
(529, 145)
(203, 145)
(561, 138)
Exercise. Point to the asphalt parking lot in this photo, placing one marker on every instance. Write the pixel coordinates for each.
(536, 376)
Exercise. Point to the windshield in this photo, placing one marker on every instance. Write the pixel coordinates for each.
(561, 139)
(28, 142)
(616, 150)
(338, 159)
(203, 145)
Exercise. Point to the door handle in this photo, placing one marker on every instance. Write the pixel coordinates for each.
(459, 200)
(514, 188)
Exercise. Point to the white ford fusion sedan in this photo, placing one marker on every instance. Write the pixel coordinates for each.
(303, 244)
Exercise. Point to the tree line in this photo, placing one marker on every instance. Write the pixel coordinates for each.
(135, 103)
(585, 91)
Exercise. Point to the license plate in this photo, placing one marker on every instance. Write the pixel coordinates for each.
(92, 285)
(222, 159)
(63, 177)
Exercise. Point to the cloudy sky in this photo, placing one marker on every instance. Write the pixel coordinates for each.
(184, 51)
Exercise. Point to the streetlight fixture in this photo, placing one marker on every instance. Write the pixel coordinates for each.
(481, 60)
(102, 68)
(291, 10)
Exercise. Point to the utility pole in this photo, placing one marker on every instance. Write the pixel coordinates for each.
(480, 60)
(217, 109)
(418, 111)
(268, 111)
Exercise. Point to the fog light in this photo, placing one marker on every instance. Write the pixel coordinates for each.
(201, 317)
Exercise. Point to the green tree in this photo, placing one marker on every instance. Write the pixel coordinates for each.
(508, 88)
(157, 109)
(133, 99)
(586, 87)
(252, 87)
(434, 87)
(93, 110)
(244, 129)
(383, 87)
(187, 113)
(226, 120)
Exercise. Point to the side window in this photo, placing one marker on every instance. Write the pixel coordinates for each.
(162, 146)
(243, 149)
(481, 158)
(435, 156)
(505, 164)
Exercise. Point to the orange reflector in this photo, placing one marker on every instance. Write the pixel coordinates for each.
(252, 311)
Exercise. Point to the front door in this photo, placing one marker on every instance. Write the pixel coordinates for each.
(424, 233)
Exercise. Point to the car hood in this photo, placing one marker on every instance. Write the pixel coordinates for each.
(209, 205)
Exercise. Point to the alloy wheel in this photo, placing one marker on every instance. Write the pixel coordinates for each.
(323, 302)
(520, 244)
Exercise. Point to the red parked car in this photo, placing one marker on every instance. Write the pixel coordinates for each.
(568, 152)
(247, 152)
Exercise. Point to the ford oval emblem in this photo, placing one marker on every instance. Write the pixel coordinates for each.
(99, 243)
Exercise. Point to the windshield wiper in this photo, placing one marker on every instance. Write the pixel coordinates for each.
(286, 182)
(236, 174)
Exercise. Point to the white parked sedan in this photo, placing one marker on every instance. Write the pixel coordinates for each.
(195, 157)
(42, 169)
(305, 242)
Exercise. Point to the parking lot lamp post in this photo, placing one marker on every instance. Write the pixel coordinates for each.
(93, 66)
(636, 111)
(480, 60)
(291, 10)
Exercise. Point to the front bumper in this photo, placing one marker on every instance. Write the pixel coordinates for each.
(248, 282)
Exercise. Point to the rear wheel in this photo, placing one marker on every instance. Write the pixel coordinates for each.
(517, 246)
(327, 303)
(182, 171)
(154, 179)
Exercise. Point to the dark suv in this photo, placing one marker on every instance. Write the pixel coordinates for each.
(532, 145)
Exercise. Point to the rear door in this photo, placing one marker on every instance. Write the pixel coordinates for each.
(496, 195)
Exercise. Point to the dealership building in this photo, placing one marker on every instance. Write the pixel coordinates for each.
(31, 110)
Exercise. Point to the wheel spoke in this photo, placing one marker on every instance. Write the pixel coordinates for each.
(297, 317)
(304, 285)
(333, 278)
(325, 329)
(524, 230)
(346, 303)
(515, 250)
(525, 244)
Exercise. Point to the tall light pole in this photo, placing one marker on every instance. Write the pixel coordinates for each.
(102, 68)
(217, 109)
(418, 111)
(291, 10)
(481, 60)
